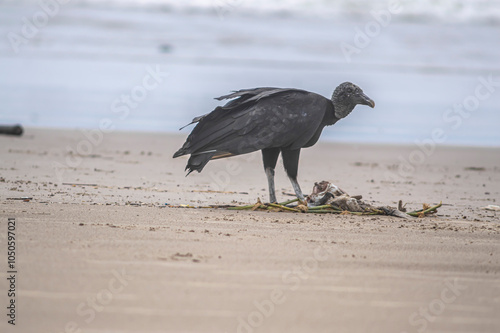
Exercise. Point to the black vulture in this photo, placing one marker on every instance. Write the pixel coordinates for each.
(272, 120)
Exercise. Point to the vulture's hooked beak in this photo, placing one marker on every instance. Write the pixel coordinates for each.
(365, 100)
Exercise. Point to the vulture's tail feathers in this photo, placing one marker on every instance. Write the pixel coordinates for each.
(197, 162)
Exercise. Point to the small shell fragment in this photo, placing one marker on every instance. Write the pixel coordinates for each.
(491, 207)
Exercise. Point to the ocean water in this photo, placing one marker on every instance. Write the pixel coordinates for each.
(418, 11)
(432, 67)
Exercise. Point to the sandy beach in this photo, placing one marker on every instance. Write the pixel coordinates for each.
(98, 249)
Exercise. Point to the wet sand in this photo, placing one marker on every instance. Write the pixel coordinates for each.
(98, 249)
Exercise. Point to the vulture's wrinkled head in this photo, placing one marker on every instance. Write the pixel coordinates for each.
(346, 96)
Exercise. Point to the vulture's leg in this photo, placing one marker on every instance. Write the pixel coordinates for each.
(291, 163)
(270, 157)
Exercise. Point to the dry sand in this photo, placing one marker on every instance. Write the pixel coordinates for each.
(112, 257)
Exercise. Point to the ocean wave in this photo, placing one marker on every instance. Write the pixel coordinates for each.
(447, 11)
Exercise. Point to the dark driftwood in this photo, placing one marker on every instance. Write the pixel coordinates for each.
(11, 130)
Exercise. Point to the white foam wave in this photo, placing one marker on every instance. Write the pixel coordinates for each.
(462, 11)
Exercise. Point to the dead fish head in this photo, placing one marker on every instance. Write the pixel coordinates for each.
(320, 187)
(322, 192)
